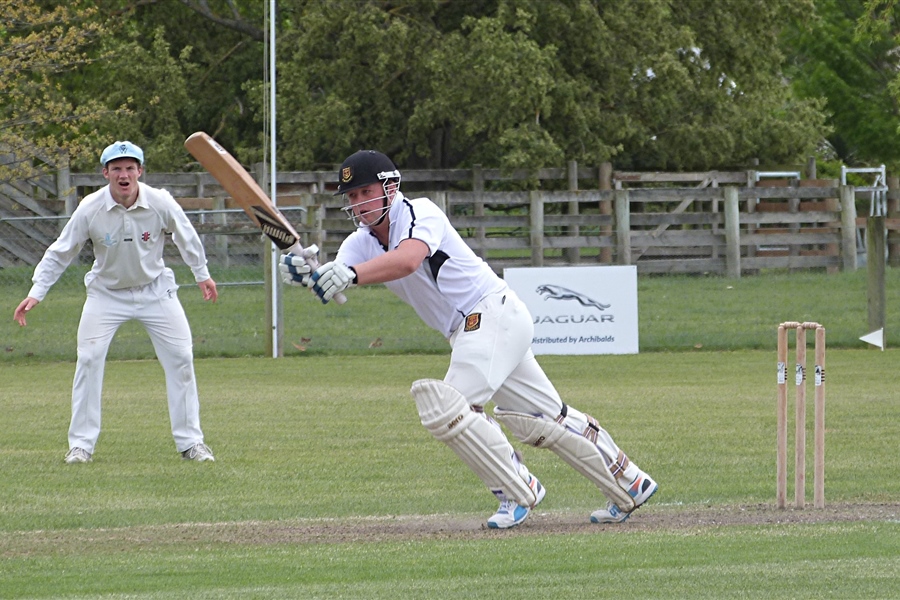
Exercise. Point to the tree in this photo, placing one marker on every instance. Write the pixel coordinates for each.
(38, 120)
(648, 84)
(856, 74)
(178, 67)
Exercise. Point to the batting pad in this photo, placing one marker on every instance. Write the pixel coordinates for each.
(576, 450)
(478, 442)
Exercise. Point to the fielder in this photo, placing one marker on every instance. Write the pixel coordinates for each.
(411, 247)
(127, 222)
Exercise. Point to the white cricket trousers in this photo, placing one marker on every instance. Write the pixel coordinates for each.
(495, 362)
(157, 308)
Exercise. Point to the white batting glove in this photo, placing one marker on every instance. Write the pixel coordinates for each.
(294, 270)
(331, 278)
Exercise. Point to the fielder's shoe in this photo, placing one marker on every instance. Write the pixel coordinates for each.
(511, 514)
(641, 488)
(77, 455)
(199, 452)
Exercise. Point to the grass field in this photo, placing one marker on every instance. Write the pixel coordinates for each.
(326, 485)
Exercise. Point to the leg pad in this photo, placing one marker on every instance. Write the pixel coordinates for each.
(474, 437)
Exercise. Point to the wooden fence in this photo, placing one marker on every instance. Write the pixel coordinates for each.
(725, 223)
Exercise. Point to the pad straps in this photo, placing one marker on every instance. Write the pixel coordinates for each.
(591, 431)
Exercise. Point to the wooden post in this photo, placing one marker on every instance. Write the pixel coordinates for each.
(893, 241)
(752, 228)
(221, 243)
(478, 210)
(875, 270)
(732, 233)
(848, 227)
(793, 208)
(605, 183)
(64, 189)
(811, 167)
(623, 227)
(573, 255)
(536, 219)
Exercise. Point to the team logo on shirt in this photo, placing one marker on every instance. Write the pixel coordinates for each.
(145, 236)
(473, 322)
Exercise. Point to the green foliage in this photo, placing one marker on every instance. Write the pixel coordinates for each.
(155, 92)
(649, 85)
(828, 59)
(533, 83)
(350, 79)
(502, 79)
(41, 124)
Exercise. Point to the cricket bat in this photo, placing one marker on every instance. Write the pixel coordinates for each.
(245, 191)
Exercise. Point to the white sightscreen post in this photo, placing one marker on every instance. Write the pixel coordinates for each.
(274, 251)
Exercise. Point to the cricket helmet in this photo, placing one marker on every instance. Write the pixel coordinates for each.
(365, 167)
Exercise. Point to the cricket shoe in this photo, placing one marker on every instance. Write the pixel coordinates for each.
(77, 455)
(511, 514)
(641, 488)
(199, 452)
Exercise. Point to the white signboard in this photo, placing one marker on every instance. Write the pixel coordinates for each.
(580, 310)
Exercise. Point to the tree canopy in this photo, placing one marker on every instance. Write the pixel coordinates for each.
(828, 58)
(644, 84)
(40, 124)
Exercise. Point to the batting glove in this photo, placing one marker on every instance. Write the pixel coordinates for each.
(331, 278)
(294, 270)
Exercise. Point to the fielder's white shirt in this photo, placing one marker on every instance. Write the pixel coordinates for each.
(449, 282)
(128, 243)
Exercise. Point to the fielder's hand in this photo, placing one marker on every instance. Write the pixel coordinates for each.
(331, 278)
(294, 270)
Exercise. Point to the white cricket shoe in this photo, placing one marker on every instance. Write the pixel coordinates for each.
(511, 514)
(199, 452)
(77, 455)
(641, 488)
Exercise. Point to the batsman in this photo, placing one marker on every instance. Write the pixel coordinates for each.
(411, 247)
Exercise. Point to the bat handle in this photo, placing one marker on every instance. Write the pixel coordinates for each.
(310, 255)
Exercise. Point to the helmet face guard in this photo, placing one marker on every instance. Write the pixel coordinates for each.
(390, 187)
(365, 168)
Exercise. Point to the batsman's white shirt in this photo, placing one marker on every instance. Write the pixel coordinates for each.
(449, 283)
(129, 281)
(455, 292)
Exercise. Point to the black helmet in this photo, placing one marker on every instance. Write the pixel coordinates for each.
(365, 167)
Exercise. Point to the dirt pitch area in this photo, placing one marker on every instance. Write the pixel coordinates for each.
(432, 527)
(403, 528)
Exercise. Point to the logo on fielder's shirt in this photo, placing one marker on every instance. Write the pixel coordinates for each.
(145, 236)
(473, 322)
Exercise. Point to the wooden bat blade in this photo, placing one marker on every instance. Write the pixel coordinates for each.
(245, 191)
(237, 182)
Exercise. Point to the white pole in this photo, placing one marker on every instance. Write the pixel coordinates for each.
(276, 288)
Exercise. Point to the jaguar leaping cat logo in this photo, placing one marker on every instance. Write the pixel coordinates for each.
(555, 292)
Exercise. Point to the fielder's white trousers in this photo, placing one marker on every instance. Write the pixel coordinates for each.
(495, 362)
(157, 308)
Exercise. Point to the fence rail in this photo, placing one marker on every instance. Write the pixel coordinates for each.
(733, 223)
